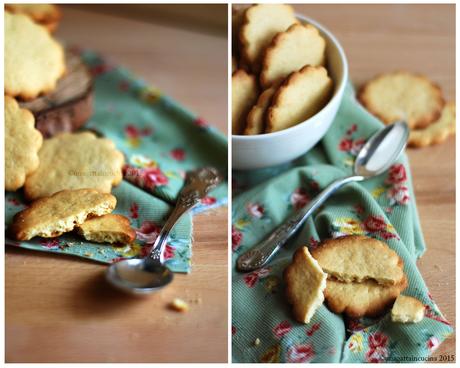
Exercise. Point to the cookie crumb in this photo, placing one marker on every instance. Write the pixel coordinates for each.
(256, 342)
(178, 305)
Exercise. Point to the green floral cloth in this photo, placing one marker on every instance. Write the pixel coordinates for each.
(383, 207)
(161, 141)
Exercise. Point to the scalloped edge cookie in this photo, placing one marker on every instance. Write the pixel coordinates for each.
(402, 95)
(34, 61)
(289, 51)
(438, 131)
(244, 95)
(302, 95)
(260, 24)
(255, 123)
(52, 216)
(22, 143)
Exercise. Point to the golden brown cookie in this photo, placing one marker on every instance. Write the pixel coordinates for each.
(22, 142)
(407, 309)
(49, 217)
(361, 299)
(47, 15)
(358, 258)
(260, 24)
(301, 96)
(244, 96)
(109, 228)
(289, 51)
(403, 96)
(305, 283)
(255, 123)
(75, 161)
(438, 131)
(34, 61)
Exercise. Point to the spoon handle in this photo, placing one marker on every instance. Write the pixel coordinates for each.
(260, 254)
(198, 183)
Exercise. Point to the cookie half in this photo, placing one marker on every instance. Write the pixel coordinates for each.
(359, 258)
(260, 24)
(356, 300)
(407, 309)
(255, 123)
(305, 283)
(75, 161)
(244, 96)
(49, 217)
(289, 51)
(436, 132)
(301, 96)
(109, 228)
(403, 96)
(22, 142)
(34, 61)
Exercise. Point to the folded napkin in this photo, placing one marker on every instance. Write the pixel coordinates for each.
(161, 141)
(382, 207)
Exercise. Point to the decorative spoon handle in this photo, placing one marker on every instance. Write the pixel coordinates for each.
(197, 185)
(260, 254)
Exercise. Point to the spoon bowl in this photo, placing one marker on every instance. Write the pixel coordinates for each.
(139, 276)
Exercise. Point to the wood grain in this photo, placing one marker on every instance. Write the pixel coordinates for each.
(59, 309)
(418, 38)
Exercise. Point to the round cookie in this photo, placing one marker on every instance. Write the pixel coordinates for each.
(260, 24)
(255, 123)
(358, 258)
(244, 96)
(47, 15)
(361, 299)
(300, 97)
(22, 142)
(289, 51)
(34, 61)
(403, 96)
(75, 161)
(436, 132)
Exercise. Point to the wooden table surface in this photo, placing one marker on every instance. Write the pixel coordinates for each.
(418, 38)
(59, 309)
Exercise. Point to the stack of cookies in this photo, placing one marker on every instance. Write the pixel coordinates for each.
(68, 178)
(415, 99)
(279, 70)
(357, 275)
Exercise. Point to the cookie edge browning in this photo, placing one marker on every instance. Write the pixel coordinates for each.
(19, 233)
(42, 18)
(30, 95)
(421, 123)
(433, 139)
(34, 161)
(237, 74)
(336, 242)
(373, 310)
(128, 232)
(290, 295)
(243, 40)
(264, 98)
(271, 48)
(278, 97)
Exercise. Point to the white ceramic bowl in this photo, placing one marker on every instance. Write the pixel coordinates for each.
(264, 150)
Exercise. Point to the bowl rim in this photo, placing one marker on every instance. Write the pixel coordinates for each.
(338, 94)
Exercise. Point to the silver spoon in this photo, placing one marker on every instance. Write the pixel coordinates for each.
(143, 276)
(375, 157)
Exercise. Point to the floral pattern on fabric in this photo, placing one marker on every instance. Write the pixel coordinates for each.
(380, 207)
(161, 141)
